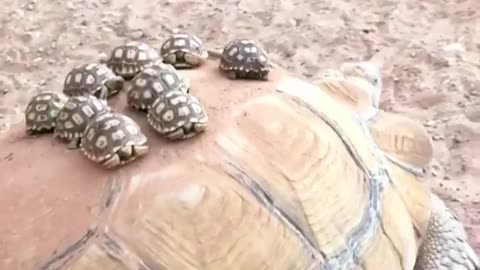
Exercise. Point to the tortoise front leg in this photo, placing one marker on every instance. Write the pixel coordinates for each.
(445, 245)
(74, 143)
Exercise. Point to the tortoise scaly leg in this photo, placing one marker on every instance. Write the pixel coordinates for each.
(74, 144)
(193, 60)
(445, 246)
(113, 161)
(231, 74)
(170, 59)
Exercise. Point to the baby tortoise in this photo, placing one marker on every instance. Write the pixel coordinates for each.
(243, 58)
(128, 59)
(92, 79)
(113, 139)
(42, 111)
(74, 117)
(153, 81)
(177, 115)
(183, 51)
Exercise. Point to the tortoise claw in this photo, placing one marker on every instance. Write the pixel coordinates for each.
(74, 144)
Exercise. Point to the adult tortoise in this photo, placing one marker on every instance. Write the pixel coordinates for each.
(286, 177)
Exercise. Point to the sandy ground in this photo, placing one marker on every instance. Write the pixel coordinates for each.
(430, 52)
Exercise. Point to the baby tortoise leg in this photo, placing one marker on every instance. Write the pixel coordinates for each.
(445, 245)
(125, 155)
(193, 60)
(74, 144)
(170, 58)
(179, 134)
(231, 74)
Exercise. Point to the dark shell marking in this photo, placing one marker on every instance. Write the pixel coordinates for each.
(92, 79)
(153, 81)
(243, 58)
(109, 133)
(177, 115)
(128, 59)
(74, 116)
(42, 110)
(183, 51)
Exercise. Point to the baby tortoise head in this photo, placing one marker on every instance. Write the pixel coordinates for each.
(128, 59)
(113, 139)
(42, 111)
(244, 58)
(92, 79)
(183, 51)
(74, 117)
(152, 82)
(177, 115)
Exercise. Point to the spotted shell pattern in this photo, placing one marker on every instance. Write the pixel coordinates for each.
(244, 55)
(153, 81)
(107, 133)
(175, 110)
(74, 116)
(128, 59)
(87, 79)
(42, 111)
(182, 42)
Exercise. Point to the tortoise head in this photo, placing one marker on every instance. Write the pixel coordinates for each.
(358, 85)
(368, 71)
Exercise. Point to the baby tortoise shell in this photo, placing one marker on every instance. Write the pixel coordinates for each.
(92, 79)
(42, 111)
(113, 139)
(128, 59)
(153, 81)
(177, 115)
(74, 117)
(243, 58)
(183, 51)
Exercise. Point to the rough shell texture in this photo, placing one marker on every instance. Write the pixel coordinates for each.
(177, 115)
(173, 50)
(107, 133)
(246, 58)
(282, 180)
(42, 111)
(89, 79)
(153, 81)
(128, 59)
(74, 116)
